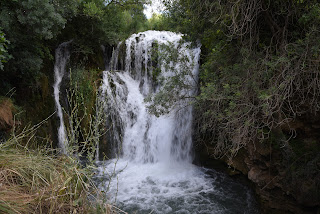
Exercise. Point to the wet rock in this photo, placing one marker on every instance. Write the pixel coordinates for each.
(258, 176)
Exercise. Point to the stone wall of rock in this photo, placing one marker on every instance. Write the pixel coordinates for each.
(285, 173)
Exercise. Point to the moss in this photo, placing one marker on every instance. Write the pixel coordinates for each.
(44, 81)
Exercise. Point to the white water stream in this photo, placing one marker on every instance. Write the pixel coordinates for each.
(154, 171)
(61, 58)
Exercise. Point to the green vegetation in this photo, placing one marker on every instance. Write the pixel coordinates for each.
(168, 57)
(260, 66)
(159, 22)
(35, 28)
(86, 117)
(84, 86)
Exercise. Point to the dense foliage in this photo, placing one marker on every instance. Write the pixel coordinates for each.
(35, 28)
(260, 66)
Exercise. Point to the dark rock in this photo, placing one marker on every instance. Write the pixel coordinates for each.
(285, 174)
(6, 117)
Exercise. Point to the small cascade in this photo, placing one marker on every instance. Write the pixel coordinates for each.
(115, 59)
(152, 169)
(62, 56)
(107, 52)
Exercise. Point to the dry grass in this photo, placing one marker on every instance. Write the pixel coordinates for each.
(31, 182)
(37, 182)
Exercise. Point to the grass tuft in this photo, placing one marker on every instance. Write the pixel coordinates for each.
(38, 182)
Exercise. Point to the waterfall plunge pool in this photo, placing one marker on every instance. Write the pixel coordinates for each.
(172, 187)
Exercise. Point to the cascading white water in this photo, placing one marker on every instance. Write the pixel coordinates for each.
(62, 55)
(148, 138)
(154, 171)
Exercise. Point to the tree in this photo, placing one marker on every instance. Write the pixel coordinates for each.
(36, 27)
(29, 26)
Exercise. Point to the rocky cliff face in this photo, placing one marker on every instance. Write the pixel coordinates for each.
(285, 173)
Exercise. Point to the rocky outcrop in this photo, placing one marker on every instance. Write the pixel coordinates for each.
(6, 116)
(285, 173)
(276, 180)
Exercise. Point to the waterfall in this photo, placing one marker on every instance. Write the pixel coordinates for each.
(144, 137)
(62, 55)
(152, 167)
